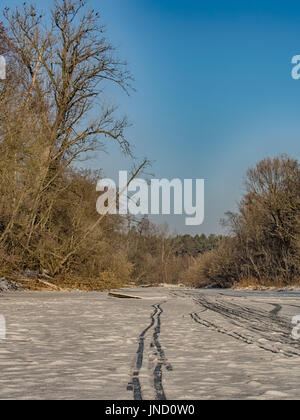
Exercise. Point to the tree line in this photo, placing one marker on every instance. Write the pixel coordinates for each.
(262, 247)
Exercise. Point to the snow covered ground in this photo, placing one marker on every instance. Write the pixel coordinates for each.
(171, 344)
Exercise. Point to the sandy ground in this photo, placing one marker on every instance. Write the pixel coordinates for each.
(172, 344)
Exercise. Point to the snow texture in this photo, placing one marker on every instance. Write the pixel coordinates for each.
(173, 344)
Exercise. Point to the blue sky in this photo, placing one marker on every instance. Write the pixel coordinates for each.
(214, 90)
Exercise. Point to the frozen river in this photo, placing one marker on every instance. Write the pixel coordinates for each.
(171, 344)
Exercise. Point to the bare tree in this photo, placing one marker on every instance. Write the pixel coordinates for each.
(66, 65)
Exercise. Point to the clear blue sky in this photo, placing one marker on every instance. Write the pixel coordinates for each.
(214, 89)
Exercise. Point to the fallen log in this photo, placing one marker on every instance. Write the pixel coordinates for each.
(121, 296)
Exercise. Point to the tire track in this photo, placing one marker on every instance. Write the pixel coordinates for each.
(135, 385)
(257, 320)
(276, 310)
(161, 359)
(159, 356)
(261, 325)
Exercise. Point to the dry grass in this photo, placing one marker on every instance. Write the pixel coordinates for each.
(252, 283)
(32, 285)
(101, 284)
(67, 284)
